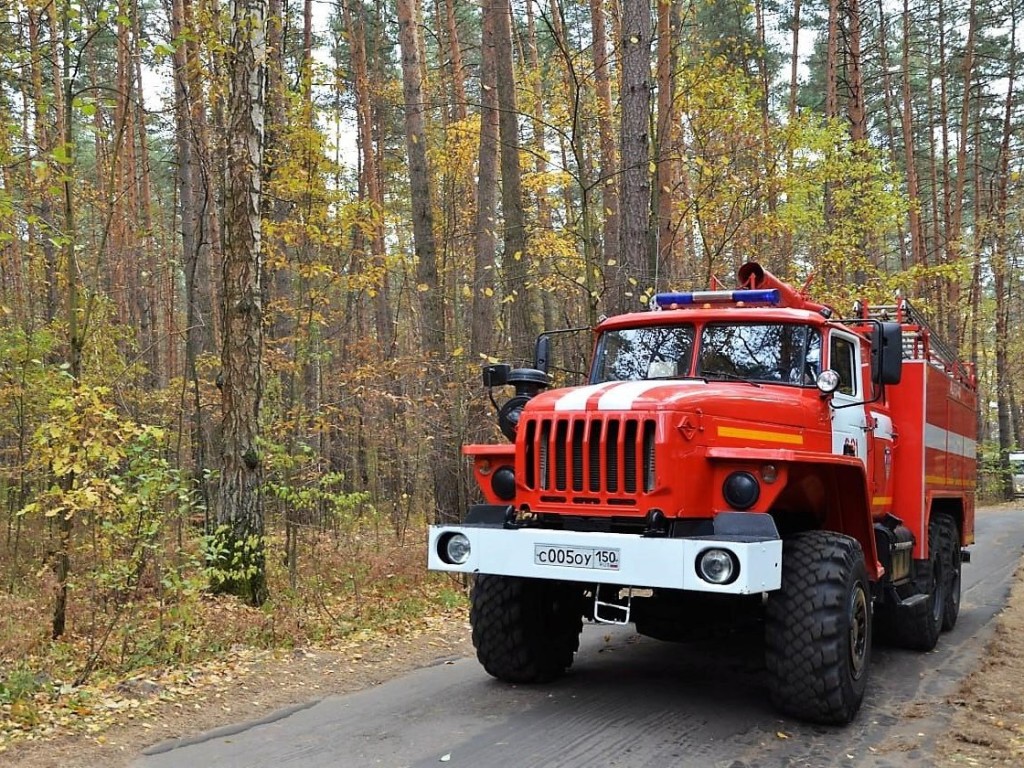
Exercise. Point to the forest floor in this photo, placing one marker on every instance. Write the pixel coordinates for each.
(985, 727)
(242, 685)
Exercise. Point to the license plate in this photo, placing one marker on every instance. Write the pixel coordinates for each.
(600, 558)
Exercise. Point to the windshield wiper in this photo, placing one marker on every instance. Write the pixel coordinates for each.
(716, 375)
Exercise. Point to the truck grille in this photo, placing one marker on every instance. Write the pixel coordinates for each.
(590, 457)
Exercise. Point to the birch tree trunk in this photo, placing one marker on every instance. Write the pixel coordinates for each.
(240, 567)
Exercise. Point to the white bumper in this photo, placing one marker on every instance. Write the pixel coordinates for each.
(609, 558)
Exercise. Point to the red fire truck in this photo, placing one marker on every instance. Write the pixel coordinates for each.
(734, 455)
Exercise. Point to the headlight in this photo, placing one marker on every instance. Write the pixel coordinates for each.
(503, 483)
(741, 490)
(454, 548)
(717, 566)
(828, 382)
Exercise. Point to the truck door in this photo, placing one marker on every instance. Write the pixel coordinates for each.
(881, 442)
(849, 418)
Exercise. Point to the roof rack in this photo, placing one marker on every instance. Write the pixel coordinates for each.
(919, 338)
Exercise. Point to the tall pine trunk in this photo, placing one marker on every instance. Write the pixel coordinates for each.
(633, 276)
(448, 502)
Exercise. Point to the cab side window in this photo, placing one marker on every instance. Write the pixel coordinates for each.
(842, 359)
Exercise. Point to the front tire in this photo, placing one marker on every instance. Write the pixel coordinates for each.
(818, 629)
(525, 630)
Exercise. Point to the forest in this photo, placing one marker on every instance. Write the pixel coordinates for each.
(253, 254)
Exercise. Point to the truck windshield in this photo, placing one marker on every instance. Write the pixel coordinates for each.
(635, 354)
(771, 352)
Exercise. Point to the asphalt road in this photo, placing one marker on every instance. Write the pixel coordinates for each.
(628, 701)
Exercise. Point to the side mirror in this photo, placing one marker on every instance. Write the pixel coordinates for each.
(887, 353)
(496, 375)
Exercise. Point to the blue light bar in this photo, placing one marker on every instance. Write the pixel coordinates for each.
(691, 298)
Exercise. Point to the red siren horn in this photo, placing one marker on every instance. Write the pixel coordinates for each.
(750, 276)
(753, 275)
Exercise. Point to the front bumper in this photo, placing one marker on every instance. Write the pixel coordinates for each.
(638, 561)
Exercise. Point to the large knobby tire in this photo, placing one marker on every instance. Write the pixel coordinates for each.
(818, 629)
(950, 533)
(919, 629)
(525, 630)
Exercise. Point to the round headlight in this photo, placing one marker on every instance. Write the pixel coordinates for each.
(456, 549)
(741, 490)
(717, 566)
(503, 483)
(827, 382)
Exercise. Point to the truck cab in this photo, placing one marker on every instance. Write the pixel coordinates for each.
(732, 452)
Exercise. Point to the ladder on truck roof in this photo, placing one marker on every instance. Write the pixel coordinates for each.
(920, 342)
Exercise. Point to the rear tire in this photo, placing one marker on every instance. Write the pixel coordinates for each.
(818, 629)
(919, 629)
(954, 564)
(525, 630)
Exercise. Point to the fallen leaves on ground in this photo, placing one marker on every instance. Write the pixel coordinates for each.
(91, 709)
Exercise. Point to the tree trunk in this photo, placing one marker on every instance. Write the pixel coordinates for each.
(955, 233)
(515, 259)
(448, 497)
(1002, 270)
(455, 54)
(199, 235)
(855, 109)
(76, 342)
(633, 278)
(239, 555)
(832, 61)
(890, 123)
(483, 307)
(609, 194)
(794, 61)
(159, 356)
(664, 197)
(913, 194)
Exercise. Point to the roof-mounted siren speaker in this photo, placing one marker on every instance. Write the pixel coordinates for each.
(753, 275)
(750, 275)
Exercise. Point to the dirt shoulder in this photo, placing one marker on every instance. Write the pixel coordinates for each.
(987, 727)
(239, 687)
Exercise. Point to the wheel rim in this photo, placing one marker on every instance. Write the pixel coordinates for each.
(858, 631)
(954, 587)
